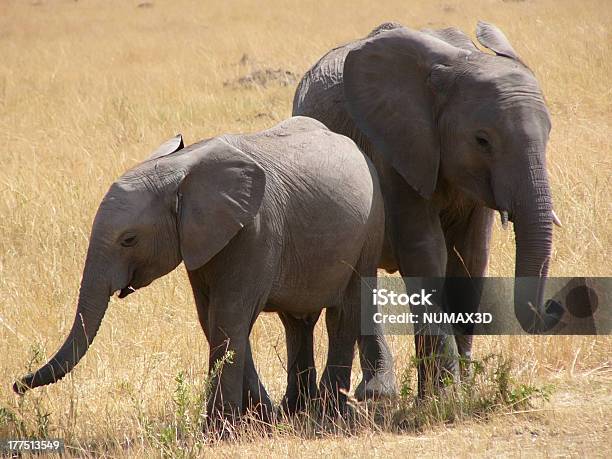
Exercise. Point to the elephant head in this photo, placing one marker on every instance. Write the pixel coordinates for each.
(180, 204)
(440, 110)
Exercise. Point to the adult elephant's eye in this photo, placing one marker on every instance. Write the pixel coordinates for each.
(129, 241)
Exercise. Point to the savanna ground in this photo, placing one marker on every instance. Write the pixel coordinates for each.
(89, 88)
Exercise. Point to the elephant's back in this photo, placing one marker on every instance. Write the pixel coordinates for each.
(320, 92)
(304, 157)
(320, 95)
(323, 79)
(321, 191)
(321, 87)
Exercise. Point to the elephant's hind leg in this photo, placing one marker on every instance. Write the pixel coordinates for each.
(378, 380)
(336, 378)
(255, 398)
(344, 328)
(301, 371)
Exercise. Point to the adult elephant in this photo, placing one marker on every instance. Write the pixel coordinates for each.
(455, 133)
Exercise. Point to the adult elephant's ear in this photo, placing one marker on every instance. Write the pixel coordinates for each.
(221, 192)
(388, 96)
(491, 37)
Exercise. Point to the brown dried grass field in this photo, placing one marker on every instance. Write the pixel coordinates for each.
(89, 88)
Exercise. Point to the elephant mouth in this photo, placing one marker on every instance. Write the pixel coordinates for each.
(125, 291)
(129, 287)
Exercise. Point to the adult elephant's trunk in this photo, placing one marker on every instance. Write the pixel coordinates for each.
(92, 304)
(533, 220)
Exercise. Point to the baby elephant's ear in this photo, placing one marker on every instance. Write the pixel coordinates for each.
(222, 191)
(168, 147)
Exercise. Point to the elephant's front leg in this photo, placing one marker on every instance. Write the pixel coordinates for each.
(301, 371)
(468, 237)
(228, 341)
(417, 239)
(254, 394)
(375, 358)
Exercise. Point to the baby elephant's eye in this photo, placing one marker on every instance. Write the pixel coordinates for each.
(483, 142)
(129, 241)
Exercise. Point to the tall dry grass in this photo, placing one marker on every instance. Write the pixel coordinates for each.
(89, 88)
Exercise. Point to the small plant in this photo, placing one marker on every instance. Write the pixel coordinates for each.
(41, 417)
(182, 436)
(8, 422)
(524, 393)
(6, 416)
(29, 418)
(182, 400)
(37, 356)
(406, 391)
(489, 388)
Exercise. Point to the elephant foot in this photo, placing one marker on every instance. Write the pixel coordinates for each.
(334, 406)
(333, 400)
(336, 411)
(464, 347)
(323, 405)
(257, 405)
(436, 378)
(379, 387)
(292, 404)
(259, 412)
(221, 425)
(438, 370)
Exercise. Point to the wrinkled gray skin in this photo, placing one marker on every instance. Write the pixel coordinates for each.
(285, 220)
(455, 133)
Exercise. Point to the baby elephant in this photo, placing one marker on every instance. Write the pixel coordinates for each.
(284, 220)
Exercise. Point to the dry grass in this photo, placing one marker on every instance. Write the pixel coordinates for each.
(88, 88)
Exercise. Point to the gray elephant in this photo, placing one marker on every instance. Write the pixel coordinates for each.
(455, 133)
(285, 220)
